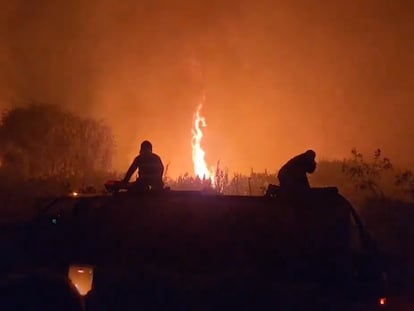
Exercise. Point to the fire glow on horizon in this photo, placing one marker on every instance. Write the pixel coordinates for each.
(200, 166)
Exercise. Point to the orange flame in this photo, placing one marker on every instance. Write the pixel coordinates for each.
(200, 167)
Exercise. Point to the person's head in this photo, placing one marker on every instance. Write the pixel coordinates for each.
(310, 164)
(146, 147)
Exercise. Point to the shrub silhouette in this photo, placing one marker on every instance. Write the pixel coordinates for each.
(366, 174)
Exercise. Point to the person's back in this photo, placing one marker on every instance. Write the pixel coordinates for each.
(150, 169)
(293, 175)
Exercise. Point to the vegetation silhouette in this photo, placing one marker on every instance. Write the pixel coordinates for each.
(42, 143)
(366, 175)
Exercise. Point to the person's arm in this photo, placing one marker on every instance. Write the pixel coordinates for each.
(132, 168)
(161, 168)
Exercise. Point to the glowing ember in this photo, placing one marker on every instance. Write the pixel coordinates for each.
(200, 166)
(382, 301)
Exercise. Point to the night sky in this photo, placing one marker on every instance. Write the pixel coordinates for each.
(279, 76)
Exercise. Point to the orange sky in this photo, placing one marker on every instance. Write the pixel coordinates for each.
(279, 76)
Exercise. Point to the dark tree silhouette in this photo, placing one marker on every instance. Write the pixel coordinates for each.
(44, 141)
(366, 174)
(405, 181)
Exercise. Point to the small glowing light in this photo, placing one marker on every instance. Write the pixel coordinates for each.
(82, 277)
(75, 194)
(54, 221)
(382, 301)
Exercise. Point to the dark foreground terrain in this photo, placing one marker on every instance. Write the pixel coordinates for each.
(195, 251)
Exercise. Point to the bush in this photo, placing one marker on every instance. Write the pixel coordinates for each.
(43, 142)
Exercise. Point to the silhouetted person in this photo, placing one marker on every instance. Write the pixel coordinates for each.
(150, 170)
(293, 177)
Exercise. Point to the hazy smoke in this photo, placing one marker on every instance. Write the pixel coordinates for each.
(279, 77)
